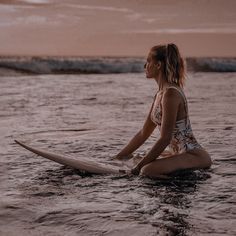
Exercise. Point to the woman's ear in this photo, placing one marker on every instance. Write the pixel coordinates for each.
(158, 65)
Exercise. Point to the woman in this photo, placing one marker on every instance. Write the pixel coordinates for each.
(169, 112)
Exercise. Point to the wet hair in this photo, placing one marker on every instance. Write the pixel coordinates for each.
(173, 64)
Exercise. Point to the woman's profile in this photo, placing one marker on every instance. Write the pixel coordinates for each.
(169, 112)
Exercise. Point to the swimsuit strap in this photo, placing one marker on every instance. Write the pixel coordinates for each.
(185, 100)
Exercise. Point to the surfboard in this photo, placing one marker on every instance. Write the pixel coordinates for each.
(81, 164)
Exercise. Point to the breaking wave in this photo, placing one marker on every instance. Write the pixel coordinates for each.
(101, 65)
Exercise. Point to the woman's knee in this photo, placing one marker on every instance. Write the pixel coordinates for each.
(144, 171)
(150, 171)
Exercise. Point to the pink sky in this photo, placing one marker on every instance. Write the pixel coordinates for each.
(116, 27)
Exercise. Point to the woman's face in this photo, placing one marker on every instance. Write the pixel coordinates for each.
(150, 67)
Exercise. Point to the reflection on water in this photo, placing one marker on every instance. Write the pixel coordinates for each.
(175, 200)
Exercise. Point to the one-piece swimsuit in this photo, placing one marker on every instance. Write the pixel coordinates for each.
(183, 139)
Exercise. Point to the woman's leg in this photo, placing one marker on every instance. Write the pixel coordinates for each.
(195, 159)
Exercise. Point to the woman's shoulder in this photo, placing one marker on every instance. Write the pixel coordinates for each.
(173, 90)
(173, 93)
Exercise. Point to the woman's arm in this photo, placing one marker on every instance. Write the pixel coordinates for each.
(170, 104)
(139, 138)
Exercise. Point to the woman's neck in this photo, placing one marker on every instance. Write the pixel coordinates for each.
(163, 84)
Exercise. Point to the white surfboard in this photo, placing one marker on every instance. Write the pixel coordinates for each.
(80, 164)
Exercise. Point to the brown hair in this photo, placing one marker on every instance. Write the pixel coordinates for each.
(173, 64)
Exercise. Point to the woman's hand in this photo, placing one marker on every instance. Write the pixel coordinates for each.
(122, 158)
(136, 170)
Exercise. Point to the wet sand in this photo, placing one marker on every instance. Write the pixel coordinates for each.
(93, 116)
(116, 28)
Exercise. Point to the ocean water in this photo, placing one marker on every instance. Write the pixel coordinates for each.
(94, 116)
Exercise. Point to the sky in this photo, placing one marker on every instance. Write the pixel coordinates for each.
(116, 27)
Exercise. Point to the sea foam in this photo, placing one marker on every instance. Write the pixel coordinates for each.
(102, 65)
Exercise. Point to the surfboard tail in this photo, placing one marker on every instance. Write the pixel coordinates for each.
(88, 166)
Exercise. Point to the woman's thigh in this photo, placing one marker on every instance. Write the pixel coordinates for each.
(189, 160)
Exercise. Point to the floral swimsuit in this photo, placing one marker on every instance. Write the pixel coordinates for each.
(183, 139)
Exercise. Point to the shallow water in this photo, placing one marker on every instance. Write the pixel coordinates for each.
(93, 116)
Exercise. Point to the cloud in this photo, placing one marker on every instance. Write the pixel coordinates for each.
(180, 31)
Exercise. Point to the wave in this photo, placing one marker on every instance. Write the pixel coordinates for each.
(209, 64)
(73, 65)
(100, 65)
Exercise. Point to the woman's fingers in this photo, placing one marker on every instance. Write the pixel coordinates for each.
(122, 158)
(113, 157)
(135, 170)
